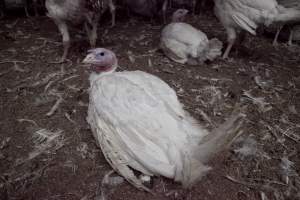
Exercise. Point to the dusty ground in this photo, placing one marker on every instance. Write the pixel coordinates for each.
(52, 155)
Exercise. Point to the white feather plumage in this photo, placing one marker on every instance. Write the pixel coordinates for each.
(139, 124)
(247, 15)
(140, 119)
(183, 43)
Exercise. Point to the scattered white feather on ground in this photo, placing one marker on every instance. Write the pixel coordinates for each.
(45, 141)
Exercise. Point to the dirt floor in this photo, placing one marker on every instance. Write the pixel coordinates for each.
(46, 147)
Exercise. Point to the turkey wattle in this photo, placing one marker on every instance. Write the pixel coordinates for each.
(88, 12)
(183, 43)
(139, 124)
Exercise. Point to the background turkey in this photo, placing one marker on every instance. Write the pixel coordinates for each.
(87, 12)
(148, 8)
(292, 24)
(27, 5)
(246, 15)
(185, 44)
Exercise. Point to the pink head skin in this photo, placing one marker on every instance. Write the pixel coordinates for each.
(179, 15)
(101, 60)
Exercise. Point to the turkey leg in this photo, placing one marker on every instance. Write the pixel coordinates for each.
(35, 7)
(275, 41)
(92, 33)
(231, 39)
(112, 9)
(194, 6)
(164, 11)
(290, 42)
(63, 28)
(25, 4)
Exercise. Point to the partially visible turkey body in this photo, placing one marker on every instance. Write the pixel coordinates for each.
(248, 14)
(182, 42)
(78, 12)
(296, 33)
(75, 11)
(294, 25)
(289, 3)
(139, 123)
(148, 8)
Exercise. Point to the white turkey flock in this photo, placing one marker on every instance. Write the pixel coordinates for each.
(139, 123)
(176, 118)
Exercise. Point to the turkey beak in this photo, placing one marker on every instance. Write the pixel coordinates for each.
(89, 59)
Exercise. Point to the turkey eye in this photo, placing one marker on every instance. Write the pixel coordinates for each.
(102, 54)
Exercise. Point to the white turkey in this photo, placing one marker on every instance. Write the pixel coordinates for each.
(87, 12)
(139, 124)
(183, 43)
(292, 24)
(246, 15)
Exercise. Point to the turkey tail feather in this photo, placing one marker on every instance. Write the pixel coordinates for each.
(245, 23)
(220, 138)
